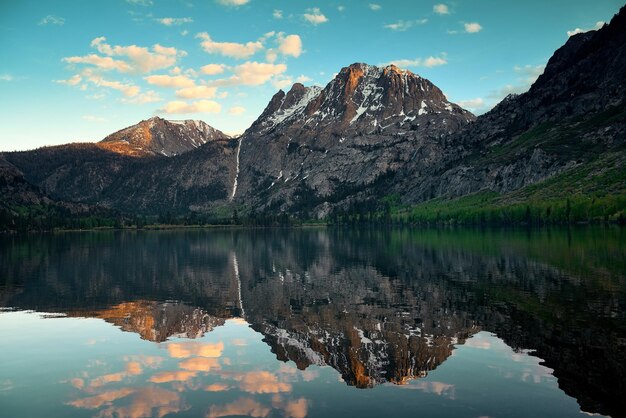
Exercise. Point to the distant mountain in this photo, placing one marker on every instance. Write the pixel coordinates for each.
(157, 136)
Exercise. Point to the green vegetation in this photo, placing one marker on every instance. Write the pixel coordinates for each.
(594, 192)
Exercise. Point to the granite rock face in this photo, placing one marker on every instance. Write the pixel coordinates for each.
(314, 148)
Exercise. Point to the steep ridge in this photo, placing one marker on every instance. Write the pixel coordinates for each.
(157, 136)
(312, 148)
(573, 116)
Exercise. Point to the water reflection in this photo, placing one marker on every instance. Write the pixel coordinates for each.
(379, 307)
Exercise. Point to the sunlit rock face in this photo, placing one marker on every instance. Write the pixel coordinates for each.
(160, 137)
(313, 145)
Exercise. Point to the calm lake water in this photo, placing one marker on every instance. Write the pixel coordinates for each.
(314, 323)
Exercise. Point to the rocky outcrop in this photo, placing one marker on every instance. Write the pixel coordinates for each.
(156, 137)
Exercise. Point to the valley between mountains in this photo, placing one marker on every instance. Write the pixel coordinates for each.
(375, 144)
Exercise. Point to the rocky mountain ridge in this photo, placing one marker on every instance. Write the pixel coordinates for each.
(157, 136)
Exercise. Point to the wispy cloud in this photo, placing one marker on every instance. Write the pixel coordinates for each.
(428, 62)
(6, 77)
(170, 21)
(72, 81)
(472, 27)
(233, 3)
(237, 110)
(229, 49)
(213, 69)
(140, 2)
(92, 118)
(277, 14)
(135, 59)
(52, 20)
(200, 106)
(142, 98)
(197, 92)
(252, 74)
(314, 16)
(573, 32)
(441, 9)
(375, 7)
(175, 81)
(404, 25)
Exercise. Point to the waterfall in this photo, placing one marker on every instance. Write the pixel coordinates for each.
(232, 196)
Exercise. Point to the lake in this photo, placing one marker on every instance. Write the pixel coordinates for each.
(314, 323)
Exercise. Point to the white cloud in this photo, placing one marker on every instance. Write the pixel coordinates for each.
(252, 74)
(6, 77)
(472, 27)
(441, 9)
(200, 106)
(403, 25)
(140, 2)
(598, 25)
(475, 104)
(72, 81)
(172, 81)
(92, 118)
(213, 69)
(236, 110)
(282, 83)
(278, 14)
(127, 90)
(103, 63)
(314, 16)
(142, 98)
(303, 79)
(419, 62)
(197, 92)
(229, 49)
(375, 7)
(169, 21)
(290, 45)
(138, 59)
(184, 32)
(271, 55)
(341, 8)
(233, 3)
(52, 20)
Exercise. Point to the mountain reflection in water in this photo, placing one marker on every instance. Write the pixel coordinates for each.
(378, 306)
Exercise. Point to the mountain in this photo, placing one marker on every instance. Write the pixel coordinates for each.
(377, 140)
(313, 148)
(563, 139)
(157, 136)
(116, 174)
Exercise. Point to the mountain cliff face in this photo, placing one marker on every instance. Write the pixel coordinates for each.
(573, 116)
(157, 136)
(312, 148)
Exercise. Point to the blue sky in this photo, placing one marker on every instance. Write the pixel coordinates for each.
(79, 70)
